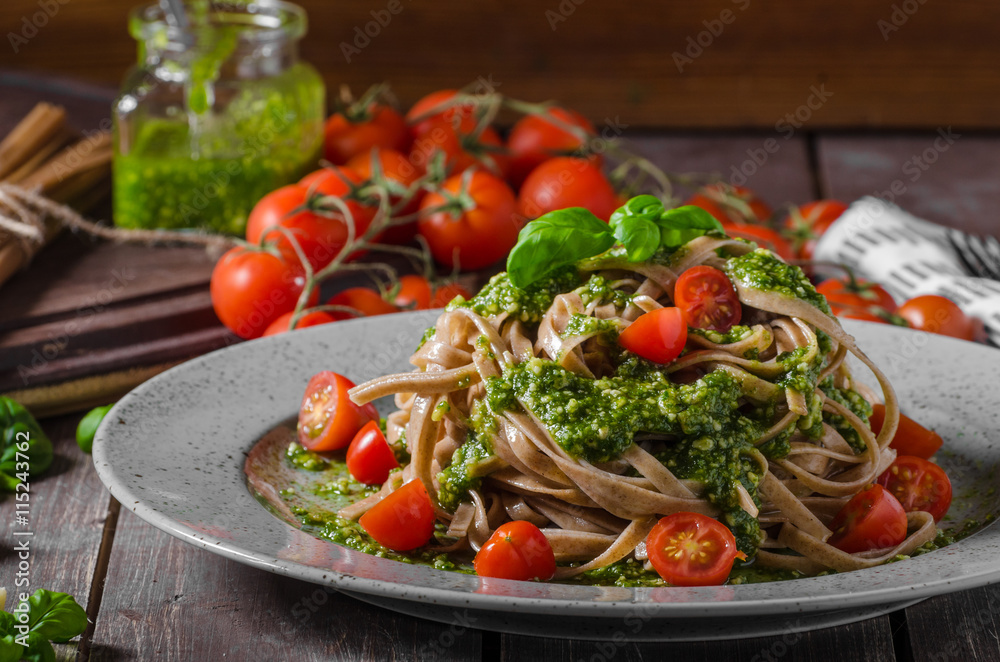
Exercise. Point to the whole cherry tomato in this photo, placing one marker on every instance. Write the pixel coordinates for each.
(516, 550)
(414, 293)
(395, 167)
(937, 314)
(731, 204)
(435, 106)
(446, 292)
(567, 182)
(462, 145)
(365, 300)
(538, 138)
(762, 236)
(806, 224)
(348, 134)
(314, 318)
(858, 293)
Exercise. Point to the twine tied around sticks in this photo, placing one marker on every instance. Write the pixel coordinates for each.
(26, 216)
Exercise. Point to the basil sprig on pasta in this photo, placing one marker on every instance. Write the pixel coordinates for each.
(565, 236)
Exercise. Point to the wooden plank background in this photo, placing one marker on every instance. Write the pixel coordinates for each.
(899, 63)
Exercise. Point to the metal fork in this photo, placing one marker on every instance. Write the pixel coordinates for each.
(981, 255)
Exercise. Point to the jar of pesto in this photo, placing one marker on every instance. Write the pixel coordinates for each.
(215, 115)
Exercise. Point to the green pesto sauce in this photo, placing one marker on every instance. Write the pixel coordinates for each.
(762, 270)
(304, 458)
(735, 334)
(585, 325)
(852, 401)
(464, 474)
(529, 304)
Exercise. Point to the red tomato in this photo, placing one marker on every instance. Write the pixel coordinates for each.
(937, 314)
(538, 138)
(567, 182)
(911, 437)
(280, 325)
(435, 106)
(860, 294)
(707, 299)
(380, 126)
(402, 521)
(690, 549)
(762, 236)
(461, 148)
(918, 485)
(414, 293)
(516, 550)
(252, 288)
(472, 238)
(369, 458)
(339, 182)
(806, 224)
(328, 420)
(658, 335)
(395, 167)
(849, 312)
(445, 293)
(731, 204)
(872, 519)
(363, 299)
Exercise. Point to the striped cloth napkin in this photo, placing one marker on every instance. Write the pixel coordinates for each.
(909, 257)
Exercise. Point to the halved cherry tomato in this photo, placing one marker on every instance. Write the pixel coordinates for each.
(470, 236)
(435, 106)
(707, 299)
(937, 314)
(461, 146)
(872, 519)
(731, 204)
(316, 318)
(414, 293)
(369, 458)
(347, 135)
(857, 294)
(516, 550)
(446, 292)
(658, 335)
(328, 420)
(363, 299)
(806, 224)
(762, 236)
(538, 138)
(252, 288)
(911, 437)
(402, 521)
(690, 549)
(567, 182)
(918, 485)
(397, 168)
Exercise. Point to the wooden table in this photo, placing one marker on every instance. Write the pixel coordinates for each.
(152, 597)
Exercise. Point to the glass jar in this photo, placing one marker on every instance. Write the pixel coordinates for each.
(214, 116)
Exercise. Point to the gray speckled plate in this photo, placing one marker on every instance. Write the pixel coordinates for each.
(173, 450)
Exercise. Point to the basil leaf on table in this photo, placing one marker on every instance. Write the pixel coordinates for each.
(55, 616)
(17, 426)
(557, 239)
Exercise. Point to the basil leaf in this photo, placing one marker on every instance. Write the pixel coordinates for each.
(10, 650)
(55, 616)
(559, 238)
(640, 237)
(681, 225)
(38, 650)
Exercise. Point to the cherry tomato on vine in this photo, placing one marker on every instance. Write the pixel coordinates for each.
(762, 236)
(872, 519)
(806, 224)
(567, 182)
(658, 335)
(911, 437)
(397, 168)
(252, 288)
(538, 138)
(516, 550)
(369, 458)
(402, 521)
(328, 420)
(690, 549)
(918, 485)
(446, 292)
(707, 299)
(857, 294)
(436, 106)
(731, 204)
(281, 324)
(414, 293)
(472, 236)
(852, 313)
(461, 146)
(347, 135)
(937, 314)
(363, 299)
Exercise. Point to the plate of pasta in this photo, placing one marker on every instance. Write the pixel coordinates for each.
(644, 425)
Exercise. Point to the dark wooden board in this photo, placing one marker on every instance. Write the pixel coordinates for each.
(165, 599)
(961, 188)
(962, 626)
